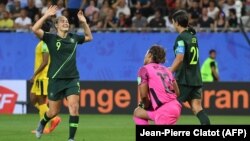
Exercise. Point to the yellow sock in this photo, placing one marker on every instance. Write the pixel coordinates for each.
(37, 106)
(42, 110)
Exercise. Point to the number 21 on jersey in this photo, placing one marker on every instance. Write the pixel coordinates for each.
(195, 55)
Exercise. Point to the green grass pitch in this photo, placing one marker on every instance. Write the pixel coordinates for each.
(91, 127)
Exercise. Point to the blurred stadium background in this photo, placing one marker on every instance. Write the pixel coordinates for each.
(108, 65)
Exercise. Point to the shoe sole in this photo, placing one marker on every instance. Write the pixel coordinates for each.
(54, 124)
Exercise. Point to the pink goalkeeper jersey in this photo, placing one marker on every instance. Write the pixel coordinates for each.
(160, 81)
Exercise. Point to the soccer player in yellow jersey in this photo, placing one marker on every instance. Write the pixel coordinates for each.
(38, 94)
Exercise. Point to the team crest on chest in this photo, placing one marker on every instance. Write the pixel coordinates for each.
(72, 40)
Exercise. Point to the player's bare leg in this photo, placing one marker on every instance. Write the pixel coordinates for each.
(52, 112)
(73, 105)
(199, 112)
(39, 101)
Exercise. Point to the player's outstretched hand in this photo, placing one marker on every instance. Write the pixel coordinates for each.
(51, 10)
(81, 17)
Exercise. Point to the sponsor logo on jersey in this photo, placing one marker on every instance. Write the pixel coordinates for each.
(72, 40)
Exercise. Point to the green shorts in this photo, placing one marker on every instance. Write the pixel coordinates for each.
(61, 88)
(187, 93)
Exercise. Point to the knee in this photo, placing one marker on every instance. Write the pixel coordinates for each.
(42, 100)
(52, 113)
(136, 112)
(139, 112)
(33, 100)
(196, 108)
(74, 108)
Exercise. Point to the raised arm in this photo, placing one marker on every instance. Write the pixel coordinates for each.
(37, 26)
(116, 4)
(83, 21)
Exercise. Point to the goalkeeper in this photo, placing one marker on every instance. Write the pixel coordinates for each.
(158, 91)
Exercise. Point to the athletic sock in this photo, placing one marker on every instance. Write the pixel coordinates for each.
(73, 124)
(42, 110)
(202, 116)
(37, 106)
(45, 119)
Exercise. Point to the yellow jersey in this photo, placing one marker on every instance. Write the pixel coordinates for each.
(40, 49)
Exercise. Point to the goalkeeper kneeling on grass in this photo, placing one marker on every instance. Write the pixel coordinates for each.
(158, 91)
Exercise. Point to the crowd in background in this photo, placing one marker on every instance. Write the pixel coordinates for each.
(209, 15)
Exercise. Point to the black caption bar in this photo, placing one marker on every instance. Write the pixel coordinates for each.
(187, 132)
